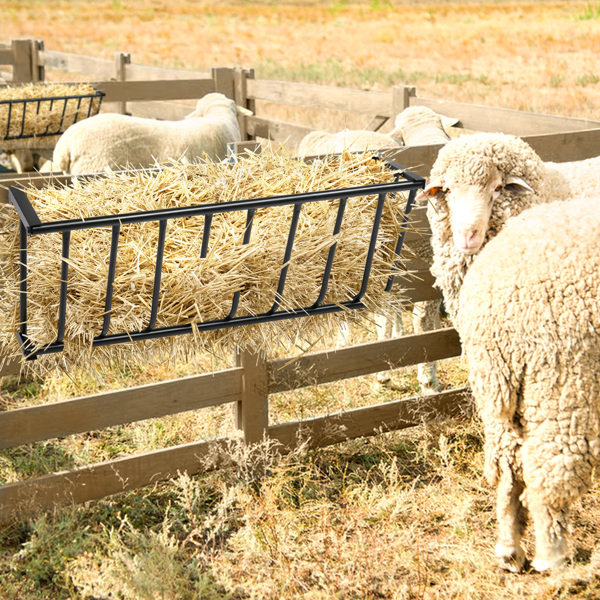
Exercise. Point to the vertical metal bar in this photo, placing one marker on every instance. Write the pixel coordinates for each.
(23, 280)
(160, 251)
(23, 119)
(336, 229)
(64, 276)
(7, 136)
(247, 234)
(90, 106)
(77, 111)
(371, 250)
(248, 227)
(205, 236)
(286, 258)
(400, 242)
(62, 117)
(112, 267)
(49, 110)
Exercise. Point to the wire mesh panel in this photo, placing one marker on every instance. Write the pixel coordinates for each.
(279, 309)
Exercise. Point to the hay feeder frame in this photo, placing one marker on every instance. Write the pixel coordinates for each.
(32, 106)
(30, 224)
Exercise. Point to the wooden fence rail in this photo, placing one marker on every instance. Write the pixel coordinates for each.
(167, 93)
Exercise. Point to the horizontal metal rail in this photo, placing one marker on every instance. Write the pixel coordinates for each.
(30, 225)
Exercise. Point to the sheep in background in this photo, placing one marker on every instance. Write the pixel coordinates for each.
(418, 126)
(529, 320)
(421, 126)
(116, 141)
(320, 143)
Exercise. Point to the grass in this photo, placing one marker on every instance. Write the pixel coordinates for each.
(400, 515)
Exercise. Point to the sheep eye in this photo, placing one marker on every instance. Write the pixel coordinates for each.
(498, 188)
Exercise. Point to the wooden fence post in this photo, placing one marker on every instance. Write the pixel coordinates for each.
(121, 59)
(240, 77)
(25, 61)
(401, 95)
(252, 411)
(223, 79)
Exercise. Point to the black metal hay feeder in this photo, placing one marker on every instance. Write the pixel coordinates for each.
(30, 224)
(20, 109)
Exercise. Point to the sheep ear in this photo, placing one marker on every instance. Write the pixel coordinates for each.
(448, 121)
(243, 111)
(432, 189)
(518, 185)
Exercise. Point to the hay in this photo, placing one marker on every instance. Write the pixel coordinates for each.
(42, 117)
(195, 289)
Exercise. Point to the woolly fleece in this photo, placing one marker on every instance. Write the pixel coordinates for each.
(529, 322)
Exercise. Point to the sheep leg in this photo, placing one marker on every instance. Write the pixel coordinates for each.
(551, 545)
(426, 317)
(511, 519)
(387, 328)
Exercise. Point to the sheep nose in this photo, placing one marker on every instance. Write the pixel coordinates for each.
(469, 240)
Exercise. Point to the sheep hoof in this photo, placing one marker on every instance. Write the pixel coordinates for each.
(542, 565)
(511, 560)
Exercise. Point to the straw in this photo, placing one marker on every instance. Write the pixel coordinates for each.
(45, 117)
(194, 289)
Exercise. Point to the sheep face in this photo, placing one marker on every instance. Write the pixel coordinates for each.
(470, 205)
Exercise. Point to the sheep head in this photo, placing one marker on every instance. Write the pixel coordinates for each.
(477, 182)
(217, 101)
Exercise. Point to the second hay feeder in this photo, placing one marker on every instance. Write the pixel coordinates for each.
(34, 115)
(278, 257)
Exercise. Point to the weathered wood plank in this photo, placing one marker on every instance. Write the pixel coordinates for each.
(223, 81)
(515, 122)
(104, 479)
(22, 60)
(77, 63)
(417, 287)
(97, 411)
(131, 91)
(371, 420)
(566, 146)
(5, 54)
(288, 134)
(324, 367)
(144, 72)
(12, 367)
(321, 96)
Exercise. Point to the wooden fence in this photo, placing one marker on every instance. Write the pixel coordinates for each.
(162, 93)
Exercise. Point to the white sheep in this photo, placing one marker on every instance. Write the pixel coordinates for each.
(422, 126)
(477, 182)
(529, 321)
(321, 143)
(478, 185)
(116, 141)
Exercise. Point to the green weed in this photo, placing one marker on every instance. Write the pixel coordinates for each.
(591, 12)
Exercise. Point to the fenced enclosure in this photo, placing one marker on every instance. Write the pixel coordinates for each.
(163, 93)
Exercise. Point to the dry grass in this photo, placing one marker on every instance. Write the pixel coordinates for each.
(46, 112)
